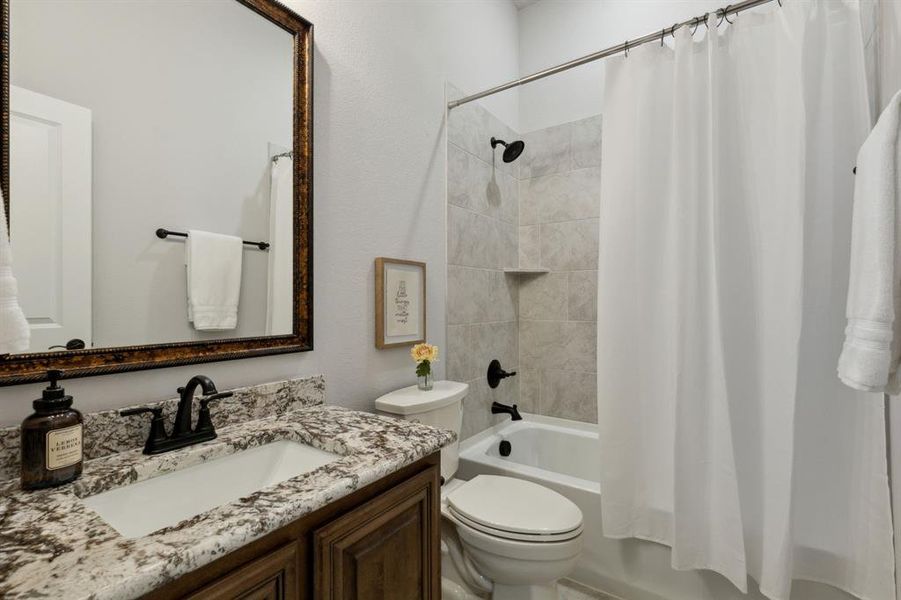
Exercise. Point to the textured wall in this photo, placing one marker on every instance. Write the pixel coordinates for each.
(379, 175)
(482, 213)
(559, 204)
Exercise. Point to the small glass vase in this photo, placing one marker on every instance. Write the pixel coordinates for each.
(425, 382)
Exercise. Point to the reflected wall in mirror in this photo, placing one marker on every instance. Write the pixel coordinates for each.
(147, 141)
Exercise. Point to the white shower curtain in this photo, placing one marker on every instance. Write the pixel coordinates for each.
(725, 229)
(280, 310)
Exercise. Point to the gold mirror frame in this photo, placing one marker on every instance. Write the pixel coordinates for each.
(32, 367)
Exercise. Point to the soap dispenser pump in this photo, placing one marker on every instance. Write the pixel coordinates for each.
(52, 439)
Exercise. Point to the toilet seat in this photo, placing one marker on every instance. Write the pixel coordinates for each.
(512, 535)
(514, 509)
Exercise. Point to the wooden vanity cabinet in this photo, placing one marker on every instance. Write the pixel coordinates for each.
(269, 577)
(383, 549)
(381, 542)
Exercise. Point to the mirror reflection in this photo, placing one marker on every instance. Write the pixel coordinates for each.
(114, 136)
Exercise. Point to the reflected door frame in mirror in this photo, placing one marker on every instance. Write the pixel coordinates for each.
(32, 367)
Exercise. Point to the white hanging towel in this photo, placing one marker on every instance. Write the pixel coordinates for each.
(15, 334)
(872, 348)
(213, 263)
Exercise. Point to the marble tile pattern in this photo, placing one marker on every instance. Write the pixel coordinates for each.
(570, 246)
(543, 326)
(529, 246)
(559, 210)
(106, 432)
(53, 546)
(544, 297)
(482, 240)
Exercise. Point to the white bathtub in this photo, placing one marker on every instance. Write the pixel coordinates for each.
(564, 456)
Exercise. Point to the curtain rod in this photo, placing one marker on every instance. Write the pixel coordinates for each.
(655, 36)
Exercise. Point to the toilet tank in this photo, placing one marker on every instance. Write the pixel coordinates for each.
(441, 407)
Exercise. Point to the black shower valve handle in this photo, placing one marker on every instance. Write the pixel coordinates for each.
(496, 373)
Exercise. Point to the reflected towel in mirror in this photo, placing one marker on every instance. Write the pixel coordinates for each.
(213, 265)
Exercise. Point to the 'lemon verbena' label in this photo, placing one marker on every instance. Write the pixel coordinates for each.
(64, 447)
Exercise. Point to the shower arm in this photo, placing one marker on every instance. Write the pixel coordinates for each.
(656, 36)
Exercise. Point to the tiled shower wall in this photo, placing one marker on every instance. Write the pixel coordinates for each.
(540, 211)
(559, 205)
(482, 215)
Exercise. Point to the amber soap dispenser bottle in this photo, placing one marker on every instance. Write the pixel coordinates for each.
(51, 439)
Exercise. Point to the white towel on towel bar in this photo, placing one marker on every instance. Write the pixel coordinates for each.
(213, 264)
(15, 335)
(872, 348)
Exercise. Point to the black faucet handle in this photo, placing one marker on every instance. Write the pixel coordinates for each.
(157, 432)
(204, 420)
(156, 410)
(215, 396)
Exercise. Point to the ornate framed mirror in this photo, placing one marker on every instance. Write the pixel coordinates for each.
(142, 143)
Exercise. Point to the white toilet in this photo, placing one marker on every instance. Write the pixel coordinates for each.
(502, 538)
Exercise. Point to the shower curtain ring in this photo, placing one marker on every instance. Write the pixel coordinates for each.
(626, 48)
(662, 35)
(780, 3)
(726, 14)
(696, 28)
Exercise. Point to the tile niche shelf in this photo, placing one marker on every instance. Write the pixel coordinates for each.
(524, 271)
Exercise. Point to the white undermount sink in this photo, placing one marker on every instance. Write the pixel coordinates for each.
(147, 506)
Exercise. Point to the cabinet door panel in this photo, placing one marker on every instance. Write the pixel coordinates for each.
(270, 577)
(387, 549)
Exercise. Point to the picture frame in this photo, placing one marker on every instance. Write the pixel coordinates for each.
(400, 302)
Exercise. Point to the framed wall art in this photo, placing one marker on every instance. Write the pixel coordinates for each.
(400, 307)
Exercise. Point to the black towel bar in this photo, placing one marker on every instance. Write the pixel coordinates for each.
(164, 233)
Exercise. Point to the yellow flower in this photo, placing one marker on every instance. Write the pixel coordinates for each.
(423, 352)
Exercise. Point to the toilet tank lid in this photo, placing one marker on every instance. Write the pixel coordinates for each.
(412, 400)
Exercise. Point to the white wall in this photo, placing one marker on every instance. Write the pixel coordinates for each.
(555, 31)
(176, 143)
(379, 166)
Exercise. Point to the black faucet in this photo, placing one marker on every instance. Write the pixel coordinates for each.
(182, 433)
(498, 409)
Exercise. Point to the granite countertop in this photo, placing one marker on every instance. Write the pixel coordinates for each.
(53, 546)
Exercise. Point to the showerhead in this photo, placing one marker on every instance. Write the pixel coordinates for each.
(512, 150)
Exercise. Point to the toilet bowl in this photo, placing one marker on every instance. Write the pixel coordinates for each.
(502, 538)
(520, 536)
